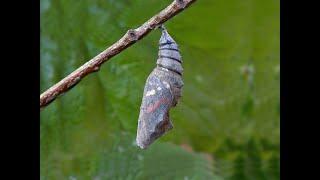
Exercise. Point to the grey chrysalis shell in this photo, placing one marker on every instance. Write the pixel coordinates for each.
(161, 92)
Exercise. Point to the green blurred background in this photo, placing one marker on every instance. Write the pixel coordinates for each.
(226, 125)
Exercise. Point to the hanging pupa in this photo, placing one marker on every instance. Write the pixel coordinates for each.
(161, 92)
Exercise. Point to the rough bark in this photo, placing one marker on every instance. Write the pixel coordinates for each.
(131, 37)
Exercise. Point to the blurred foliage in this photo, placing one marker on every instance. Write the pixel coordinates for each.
(227, 123)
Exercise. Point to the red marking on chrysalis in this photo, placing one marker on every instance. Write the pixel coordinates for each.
(154, 106)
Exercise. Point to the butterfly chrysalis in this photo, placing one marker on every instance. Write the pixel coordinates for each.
(161, 92)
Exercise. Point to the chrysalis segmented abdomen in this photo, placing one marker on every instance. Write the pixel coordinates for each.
(161, 92)
(169, 55)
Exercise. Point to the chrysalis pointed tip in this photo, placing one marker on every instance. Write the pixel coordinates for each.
(162, 27)
(165, 37)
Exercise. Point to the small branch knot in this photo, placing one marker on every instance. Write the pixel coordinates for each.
(181, 3)
(132, 35)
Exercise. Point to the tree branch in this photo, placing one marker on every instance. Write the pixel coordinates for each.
(132, 36)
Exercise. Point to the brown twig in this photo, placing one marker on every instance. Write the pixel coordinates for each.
(132, 36)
